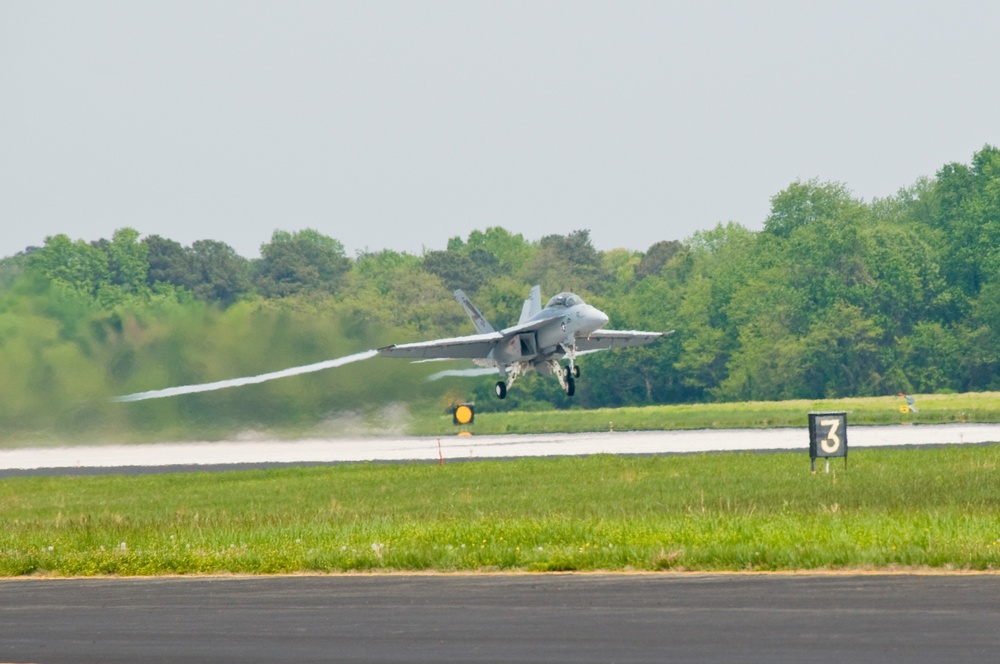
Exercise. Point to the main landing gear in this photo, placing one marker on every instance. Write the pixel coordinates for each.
(568, 382)
(567, 377)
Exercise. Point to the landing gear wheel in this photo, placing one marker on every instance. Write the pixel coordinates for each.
(576, 371)
(570, 386)
(501, 389)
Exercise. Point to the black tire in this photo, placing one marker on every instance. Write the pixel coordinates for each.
(576, 371)
(570, 386)
(501, 389)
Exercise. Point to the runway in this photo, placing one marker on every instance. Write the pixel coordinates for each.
(403, 448)
(529, 618)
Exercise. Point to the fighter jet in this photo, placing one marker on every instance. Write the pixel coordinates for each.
(565, 328)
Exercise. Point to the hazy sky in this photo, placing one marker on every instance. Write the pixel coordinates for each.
(401, 124)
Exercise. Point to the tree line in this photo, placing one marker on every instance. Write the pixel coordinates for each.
(834, 297)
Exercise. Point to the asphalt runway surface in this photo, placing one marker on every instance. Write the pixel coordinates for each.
(262, 453)
(528, 618)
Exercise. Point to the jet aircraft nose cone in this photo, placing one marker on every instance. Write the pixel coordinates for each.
(601, 317)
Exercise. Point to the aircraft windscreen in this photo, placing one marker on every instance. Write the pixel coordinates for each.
(565, 300)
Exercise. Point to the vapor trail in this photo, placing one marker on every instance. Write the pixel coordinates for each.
(460, 372)
(249, 380)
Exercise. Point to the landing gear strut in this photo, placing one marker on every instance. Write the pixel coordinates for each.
(509, 375)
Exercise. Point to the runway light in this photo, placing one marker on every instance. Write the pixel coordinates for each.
(463, 414)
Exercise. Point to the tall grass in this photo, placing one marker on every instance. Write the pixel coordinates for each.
(935, 508)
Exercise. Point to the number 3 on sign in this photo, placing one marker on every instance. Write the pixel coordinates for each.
(831, 443)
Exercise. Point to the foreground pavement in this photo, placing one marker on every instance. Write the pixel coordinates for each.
(402, 448)
(504, 618)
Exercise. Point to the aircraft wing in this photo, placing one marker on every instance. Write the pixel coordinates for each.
(604, 339)
(472, 347)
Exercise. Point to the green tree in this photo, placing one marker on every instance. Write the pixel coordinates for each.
(965, 207)
(468, 270)
(931, 357)
(13, 267)
(842, 355)
(77, 265)
(512, 251)
(804, 203)
(169, 263)
(107, 271)
(567, 263)
(768, 363)
(656, 257)
(300, 262)
(388, 296)
(718, 264)
(128, 264)
(219, 274)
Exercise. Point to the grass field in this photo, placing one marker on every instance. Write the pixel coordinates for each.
(914, 508)
(427, 419)
(933, 409)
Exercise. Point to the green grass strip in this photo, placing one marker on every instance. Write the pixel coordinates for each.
(936, 508)
(932, 409)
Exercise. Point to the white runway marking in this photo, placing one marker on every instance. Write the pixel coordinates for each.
(481, 447)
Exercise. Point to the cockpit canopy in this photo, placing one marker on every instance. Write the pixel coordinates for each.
(564, 299)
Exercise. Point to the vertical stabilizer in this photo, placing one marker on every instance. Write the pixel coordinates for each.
(482, 325)
(532, 305)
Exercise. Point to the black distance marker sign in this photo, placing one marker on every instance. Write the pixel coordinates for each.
(827, 435)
